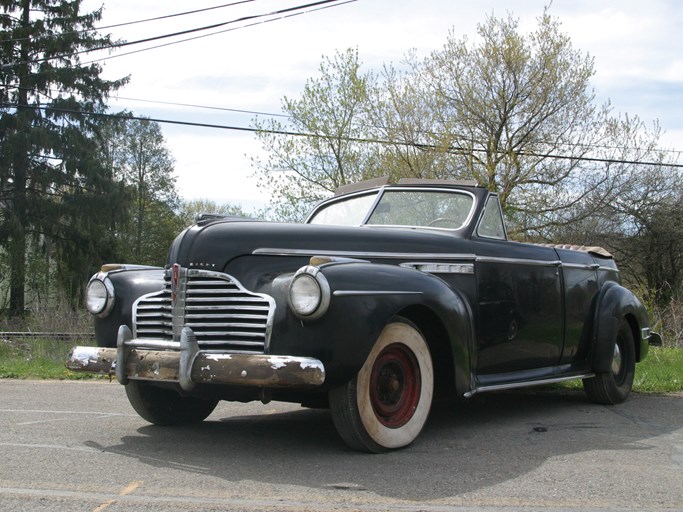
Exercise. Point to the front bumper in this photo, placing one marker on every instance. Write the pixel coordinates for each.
(183, 362)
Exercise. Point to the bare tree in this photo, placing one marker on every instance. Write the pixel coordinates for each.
(190, 209)
(135, 151)
(402, 117)
(518, 115)
(301, 170)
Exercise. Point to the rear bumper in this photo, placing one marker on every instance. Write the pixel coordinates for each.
(648, 339)
(654, 339)
(183, 362)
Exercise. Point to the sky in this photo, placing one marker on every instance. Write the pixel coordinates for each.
(636, 46)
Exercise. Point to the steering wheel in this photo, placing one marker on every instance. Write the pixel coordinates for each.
(444, 222)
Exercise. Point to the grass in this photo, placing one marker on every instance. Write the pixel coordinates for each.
(661, 372)
(38, 359)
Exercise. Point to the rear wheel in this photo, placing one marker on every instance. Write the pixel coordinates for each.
(613, 386)
(387, 403)
(163, 406)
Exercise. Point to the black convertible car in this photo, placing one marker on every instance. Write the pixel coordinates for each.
(387, 297)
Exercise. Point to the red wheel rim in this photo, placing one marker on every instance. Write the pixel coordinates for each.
(395, 385)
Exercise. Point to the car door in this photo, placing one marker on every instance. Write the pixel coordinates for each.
(519, 303)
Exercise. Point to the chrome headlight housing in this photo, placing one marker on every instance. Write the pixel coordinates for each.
(309, 293)
(99, 295)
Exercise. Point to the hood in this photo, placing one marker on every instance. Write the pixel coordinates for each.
(215, 244)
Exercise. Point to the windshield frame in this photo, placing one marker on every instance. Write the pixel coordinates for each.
(322, 205)
(379, 194)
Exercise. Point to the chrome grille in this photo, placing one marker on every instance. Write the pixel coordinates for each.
(223, 315)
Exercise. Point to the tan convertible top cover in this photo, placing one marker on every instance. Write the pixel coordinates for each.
(598, 251)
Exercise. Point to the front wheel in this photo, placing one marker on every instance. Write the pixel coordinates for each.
(613, 386)
(387, 403)
(163, 406)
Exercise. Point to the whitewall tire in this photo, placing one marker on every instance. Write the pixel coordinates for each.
(386, 405)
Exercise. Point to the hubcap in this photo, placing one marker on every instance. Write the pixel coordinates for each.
(395, 385)
(616, 360)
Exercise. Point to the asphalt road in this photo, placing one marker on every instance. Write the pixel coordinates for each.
(78, 446)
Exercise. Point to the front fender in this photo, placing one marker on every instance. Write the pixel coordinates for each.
(365, 298)
(129, 284)
(615, 304)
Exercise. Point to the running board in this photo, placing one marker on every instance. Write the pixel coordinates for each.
(528, 383)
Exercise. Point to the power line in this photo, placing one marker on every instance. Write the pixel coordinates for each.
(206, 107)
(171, 103)
(452, 150)
(135, 22)
(427, 133)
(175, 34)
(231, 4)
(291, 15)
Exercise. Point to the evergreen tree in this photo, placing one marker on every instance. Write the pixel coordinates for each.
(51, 182)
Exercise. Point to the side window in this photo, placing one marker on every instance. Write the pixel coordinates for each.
(491, 224)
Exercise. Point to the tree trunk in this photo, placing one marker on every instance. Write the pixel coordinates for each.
(18, 224)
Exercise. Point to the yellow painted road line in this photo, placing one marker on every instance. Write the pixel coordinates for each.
(130, 488)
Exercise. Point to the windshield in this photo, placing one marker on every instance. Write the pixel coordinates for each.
(400, 207)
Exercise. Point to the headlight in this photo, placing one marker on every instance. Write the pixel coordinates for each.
(99, 296)
(309, 293)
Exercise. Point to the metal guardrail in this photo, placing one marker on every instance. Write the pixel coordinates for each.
(61, 336)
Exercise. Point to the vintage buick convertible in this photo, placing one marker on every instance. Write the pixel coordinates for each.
(388, 297)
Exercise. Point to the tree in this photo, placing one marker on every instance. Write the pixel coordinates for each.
(147, 167)
(403, 117)
(499, 110)
(301, 170)
(514, 112)
(190, 209)
(135, 151)
(508, 105)
(46, 151)
(646, 232)
(161, 227)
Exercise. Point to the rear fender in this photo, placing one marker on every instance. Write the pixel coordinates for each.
(615, 304)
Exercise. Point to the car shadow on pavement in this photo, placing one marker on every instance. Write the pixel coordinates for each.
(466, 446)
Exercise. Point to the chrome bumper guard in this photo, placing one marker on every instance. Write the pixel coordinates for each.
(183, 362)
(654, 339)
